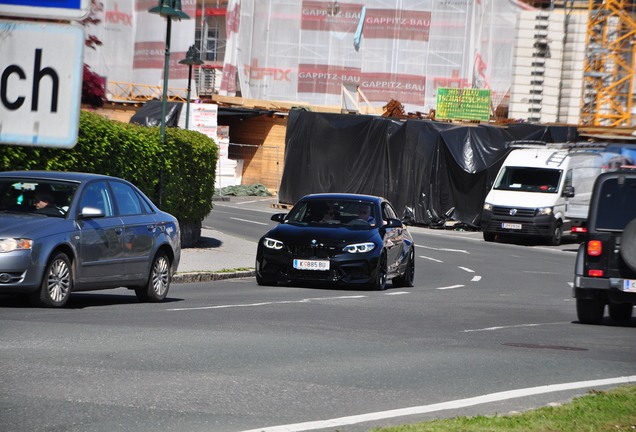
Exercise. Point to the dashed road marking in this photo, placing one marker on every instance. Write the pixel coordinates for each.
(249, 221)
(466, 269)
(476, 279)
(450, 287)
(307, 300)
(444, 249)
(432, 259)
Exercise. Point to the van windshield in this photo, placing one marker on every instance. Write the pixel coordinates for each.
(529, 179)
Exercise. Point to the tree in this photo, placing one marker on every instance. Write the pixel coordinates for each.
(93, 92)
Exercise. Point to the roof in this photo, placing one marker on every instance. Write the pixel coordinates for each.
(343, 196)
(54, 175)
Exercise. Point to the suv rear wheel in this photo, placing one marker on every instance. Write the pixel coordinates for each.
(620, 311)
(589, 311)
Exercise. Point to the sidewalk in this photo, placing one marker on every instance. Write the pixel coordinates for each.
(214, 253)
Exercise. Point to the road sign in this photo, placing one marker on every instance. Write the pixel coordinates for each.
(47, 9)
(41, 70)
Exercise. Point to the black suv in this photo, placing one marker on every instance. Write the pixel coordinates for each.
(605, 270)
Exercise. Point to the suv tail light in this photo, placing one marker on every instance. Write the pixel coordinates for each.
(595, 273)
(579, 229)
(594, 247)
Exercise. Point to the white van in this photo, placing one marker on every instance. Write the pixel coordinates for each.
(543, 190)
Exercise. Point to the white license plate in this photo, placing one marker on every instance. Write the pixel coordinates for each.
(311, 265)
(629, 285)
(510, 226)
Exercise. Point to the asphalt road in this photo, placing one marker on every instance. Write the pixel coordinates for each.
(484, 323)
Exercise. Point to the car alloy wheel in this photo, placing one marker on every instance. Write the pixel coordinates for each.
(57, 283)
(158, 281)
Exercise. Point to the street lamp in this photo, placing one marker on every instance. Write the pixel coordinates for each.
(191, 59)
(169, 9)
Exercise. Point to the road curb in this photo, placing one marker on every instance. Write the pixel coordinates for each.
(210, 277)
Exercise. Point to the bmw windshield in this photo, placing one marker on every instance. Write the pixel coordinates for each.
(334, 212)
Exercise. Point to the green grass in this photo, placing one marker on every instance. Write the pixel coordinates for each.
(599, 411)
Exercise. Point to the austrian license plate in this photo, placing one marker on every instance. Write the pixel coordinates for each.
(311, 265)
(629, 285)
(511, 226)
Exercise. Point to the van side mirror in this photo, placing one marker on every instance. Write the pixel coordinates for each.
(568, 191)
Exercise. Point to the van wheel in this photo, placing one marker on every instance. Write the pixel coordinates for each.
(589, 311)
(557, 235)
(57, 283)
(489, 237)
(620, 311)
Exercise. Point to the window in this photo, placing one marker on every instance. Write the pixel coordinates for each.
(97, 195)
(126, 198)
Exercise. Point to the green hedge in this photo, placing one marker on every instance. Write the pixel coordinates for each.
(134, 153)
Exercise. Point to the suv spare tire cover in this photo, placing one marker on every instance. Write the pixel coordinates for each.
(628, 244)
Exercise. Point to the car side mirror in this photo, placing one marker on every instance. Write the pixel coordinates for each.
(568, 191)
(408, 217)
(279, 217)
(91, 213)
(393, 223)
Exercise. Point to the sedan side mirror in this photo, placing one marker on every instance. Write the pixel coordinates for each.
(279, 217)
(91, 213)
(568, 191)
(393, 223)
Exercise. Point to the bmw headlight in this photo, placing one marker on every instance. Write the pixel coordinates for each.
(359, 248)
(11, 244)
(544, 211)
(272, 244)
(487, 206)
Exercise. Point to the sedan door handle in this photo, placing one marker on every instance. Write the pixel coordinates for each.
(151, 228)
(119, 230)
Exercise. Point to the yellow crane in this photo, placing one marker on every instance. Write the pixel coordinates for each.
(610, 53)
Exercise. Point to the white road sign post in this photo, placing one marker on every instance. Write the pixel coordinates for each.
(47, 9)
(41, 71)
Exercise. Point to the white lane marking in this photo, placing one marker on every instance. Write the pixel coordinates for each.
(307, 300)
(476, 279)
(245, 220)
(432, 259)
(571, 284)
(466, 269)
(444, 249)
(397, 293)
(507, 327)
(450, 287)
(459, 403)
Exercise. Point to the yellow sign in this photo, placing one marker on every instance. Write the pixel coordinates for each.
(463, 104)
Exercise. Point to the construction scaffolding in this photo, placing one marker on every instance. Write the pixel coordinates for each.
(608, 74)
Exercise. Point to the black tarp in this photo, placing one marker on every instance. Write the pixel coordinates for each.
(150, 114)
(430, 167)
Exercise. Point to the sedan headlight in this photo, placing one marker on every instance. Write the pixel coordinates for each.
(544, 211)
(11, 244)
(359, 248)
(487, 206)
(272, 244)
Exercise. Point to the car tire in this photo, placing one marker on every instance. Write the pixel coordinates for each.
(265, 280)
(589, 311)
(57, 283)
(407, 279)
(156, 289)
(379, 284)
(620, 311)
(628, 244)
(557, 234)
(489, 237)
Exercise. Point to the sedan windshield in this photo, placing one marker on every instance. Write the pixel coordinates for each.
(528, 179)
(334, 212)
(35, 196)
